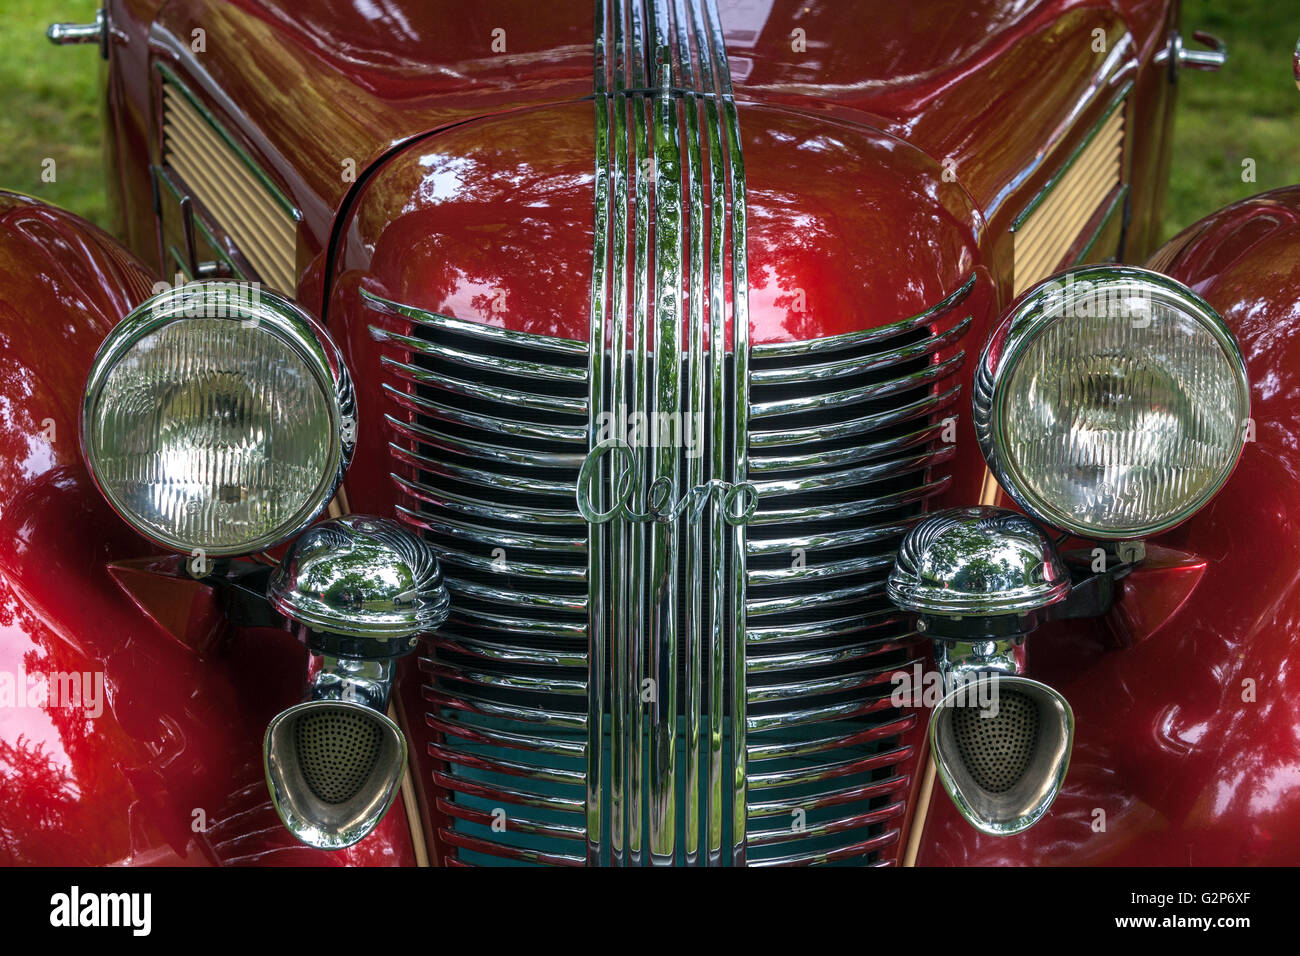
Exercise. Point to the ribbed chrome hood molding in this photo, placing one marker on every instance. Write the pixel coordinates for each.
(657, 76)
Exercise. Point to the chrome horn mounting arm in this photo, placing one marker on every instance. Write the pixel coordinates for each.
(979, 581)
(363, 589)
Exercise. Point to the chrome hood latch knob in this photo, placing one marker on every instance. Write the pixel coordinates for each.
(66, 34)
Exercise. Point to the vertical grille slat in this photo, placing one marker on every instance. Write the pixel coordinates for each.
(667, 383)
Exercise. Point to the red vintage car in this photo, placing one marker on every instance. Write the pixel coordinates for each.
(617, 433)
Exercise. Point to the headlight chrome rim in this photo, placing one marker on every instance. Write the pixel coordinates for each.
(295, 329)
(1009, 343)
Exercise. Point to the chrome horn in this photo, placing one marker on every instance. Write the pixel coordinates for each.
(979, 580)
(364, 588)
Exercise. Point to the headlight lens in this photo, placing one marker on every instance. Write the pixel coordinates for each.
(1112, 403)
(217, 417)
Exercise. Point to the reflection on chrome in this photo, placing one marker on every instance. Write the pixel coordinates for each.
(978, 580)
(363, 588)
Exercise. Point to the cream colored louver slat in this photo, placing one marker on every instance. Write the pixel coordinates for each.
(1047, 233)
(258, 220)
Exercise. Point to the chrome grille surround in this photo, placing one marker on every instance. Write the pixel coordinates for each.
(770, 738)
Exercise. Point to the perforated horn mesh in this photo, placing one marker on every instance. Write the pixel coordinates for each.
(997, 750)
(337, 751)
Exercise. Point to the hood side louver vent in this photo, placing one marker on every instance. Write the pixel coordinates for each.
(1054, 223)
(236, 196)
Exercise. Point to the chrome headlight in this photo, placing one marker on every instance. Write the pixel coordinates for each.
(1112, 402)
(218, 417)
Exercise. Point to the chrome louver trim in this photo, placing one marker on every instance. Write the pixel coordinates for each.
(459, 386)
(477, 330)
(841, 368)
(477, 360)
(854, 396)
(909, 411)
(848, 340)
(1090, 179)
(488, 423)
(259, 220)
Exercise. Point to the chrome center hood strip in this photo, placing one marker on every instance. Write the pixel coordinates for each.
(663, 104)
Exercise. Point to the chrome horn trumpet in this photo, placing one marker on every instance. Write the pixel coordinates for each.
(364, 588)
(979, 580)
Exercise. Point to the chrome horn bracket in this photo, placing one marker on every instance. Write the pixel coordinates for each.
(357, 680)
(363, 589)
(979, 580)
(973, 659)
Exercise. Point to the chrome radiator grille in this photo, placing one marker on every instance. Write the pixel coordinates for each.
(630, 683)
(845, 447)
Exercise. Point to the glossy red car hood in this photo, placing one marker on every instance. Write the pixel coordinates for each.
(312, 87)
(835, 51)
(493, 222)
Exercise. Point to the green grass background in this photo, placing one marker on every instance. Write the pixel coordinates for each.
(51, 107)
(1251, 110)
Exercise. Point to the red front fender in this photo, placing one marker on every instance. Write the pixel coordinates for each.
(119, 741)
